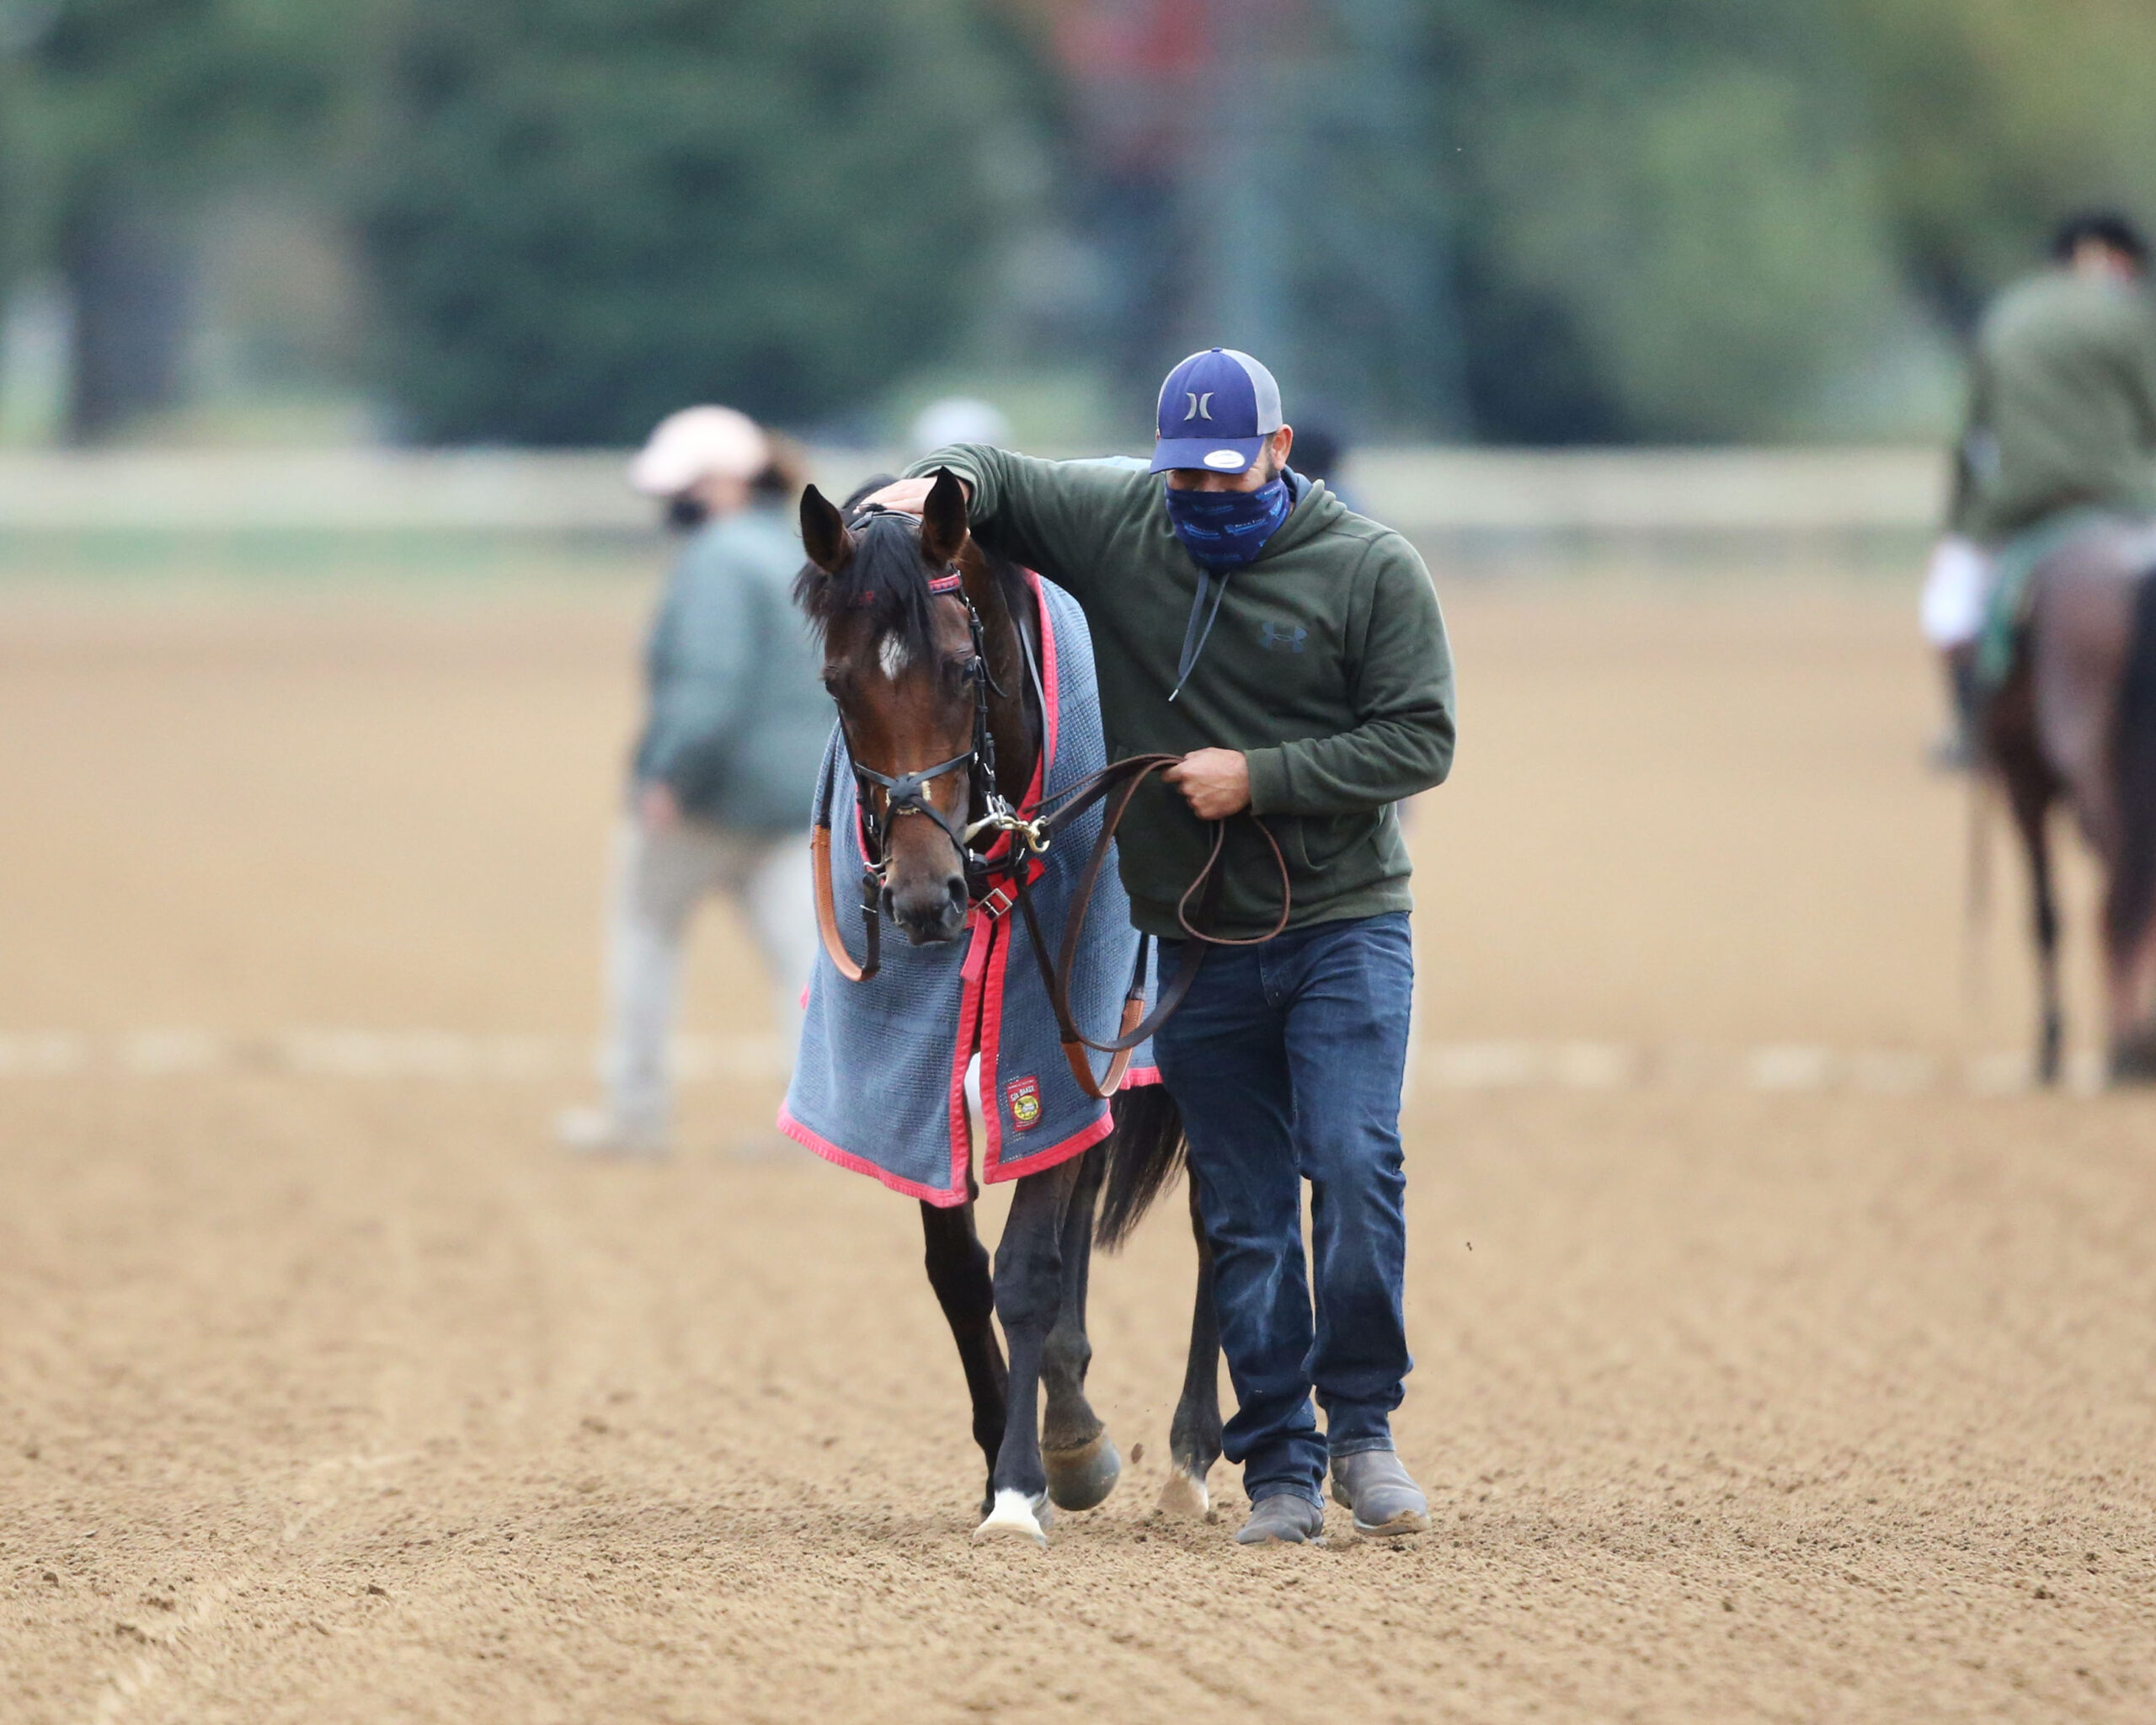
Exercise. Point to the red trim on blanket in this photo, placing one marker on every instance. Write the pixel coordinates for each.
(846, 1159)
(962, 1138)
(1138, 1077)
(1076, 1144)
(991, 1048)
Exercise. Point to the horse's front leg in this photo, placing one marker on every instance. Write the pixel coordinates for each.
(1194, 1436)
(1029, 1294)
(958, 1270)
(2031, 795)
(1081, 1458)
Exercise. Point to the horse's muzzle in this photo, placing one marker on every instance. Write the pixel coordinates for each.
(929, 911)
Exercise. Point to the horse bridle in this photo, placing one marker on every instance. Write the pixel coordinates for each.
(907, 793)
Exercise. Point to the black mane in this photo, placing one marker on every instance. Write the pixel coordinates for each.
(886, 577)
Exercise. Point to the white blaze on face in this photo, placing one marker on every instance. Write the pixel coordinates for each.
(892, 656)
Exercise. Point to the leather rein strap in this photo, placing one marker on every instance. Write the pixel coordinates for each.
(1121, 780)
(827, 916)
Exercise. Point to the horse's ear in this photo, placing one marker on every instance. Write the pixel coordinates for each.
(943, 519)
(823, 536)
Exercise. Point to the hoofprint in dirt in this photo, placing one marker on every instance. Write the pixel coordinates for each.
(335, 1396)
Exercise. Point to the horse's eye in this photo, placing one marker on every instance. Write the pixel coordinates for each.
(959, 672)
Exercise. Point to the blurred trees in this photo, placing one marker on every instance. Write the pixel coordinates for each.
(1666, 221)
(125, 115)
(1520, 219)
(1688, 219)
(1570, 220)
(586, 216)
(1986, 121)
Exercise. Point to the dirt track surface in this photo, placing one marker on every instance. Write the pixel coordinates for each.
(331, 1397)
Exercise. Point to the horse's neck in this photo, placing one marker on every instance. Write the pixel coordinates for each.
(1006, 639)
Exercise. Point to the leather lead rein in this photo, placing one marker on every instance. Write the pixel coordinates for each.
(1137, 1026)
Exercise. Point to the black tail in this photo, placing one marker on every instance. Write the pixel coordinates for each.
(1144, 1156)
(2132, 894)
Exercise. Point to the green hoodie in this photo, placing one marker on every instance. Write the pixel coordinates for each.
(1327, 667)
(2061, 406)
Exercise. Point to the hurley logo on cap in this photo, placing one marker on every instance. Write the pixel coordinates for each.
(1216, 410)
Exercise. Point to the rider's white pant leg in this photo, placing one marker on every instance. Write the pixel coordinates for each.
(1957, 592)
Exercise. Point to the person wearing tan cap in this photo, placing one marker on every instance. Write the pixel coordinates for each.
(724, 767)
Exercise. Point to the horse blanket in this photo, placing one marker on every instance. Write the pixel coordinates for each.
(879, 1081)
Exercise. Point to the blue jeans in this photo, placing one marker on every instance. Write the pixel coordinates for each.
(1286, 1060)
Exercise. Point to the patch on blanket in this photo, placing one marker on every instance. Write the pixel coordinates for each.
(880, 1081)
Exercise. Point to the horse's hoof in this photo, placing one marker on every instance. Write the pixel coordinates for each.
(1185, 1493)
(1082, 1479)
(1017, 1516)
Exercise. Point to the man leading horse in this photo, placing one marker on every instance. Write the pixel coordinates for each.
(1293, 655)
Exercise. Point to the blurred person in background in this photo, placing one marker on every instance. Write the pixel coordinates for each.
(1319, 450)
(725, 767)
(2060, 432)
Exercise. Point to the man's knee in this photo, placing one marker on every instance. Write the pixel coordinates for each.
(1353, 1148)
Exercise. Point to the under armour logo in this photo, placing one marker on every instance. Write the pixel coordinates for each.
(1289, 635)
(1201, 406)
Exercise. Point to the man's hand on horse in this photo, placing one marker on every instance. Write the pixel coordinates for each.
(910, 496)
(1214, 781)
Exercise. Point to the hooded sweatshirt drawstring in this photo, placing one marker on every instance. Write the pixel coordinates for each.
(1194, 636)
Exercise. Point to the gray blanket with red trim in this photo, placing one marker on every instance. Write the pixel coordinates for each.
(879, 1081)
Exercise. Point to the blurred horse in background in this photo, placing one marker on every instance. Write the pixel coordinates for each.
(2074, 720)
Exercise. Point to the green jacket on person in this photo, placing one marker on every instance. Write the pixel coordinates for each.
(2061, 406)
(1328, 667)
(738, 717)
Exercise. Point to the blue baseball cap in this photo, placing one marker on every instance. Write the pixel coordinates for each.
(1217, 409)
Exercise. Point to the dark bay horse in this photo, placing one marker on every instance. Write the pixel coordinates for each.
(2075, 721)
(932, 681)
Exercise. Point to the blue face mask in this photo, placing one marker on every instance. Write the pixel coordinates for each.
(1226, 530)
